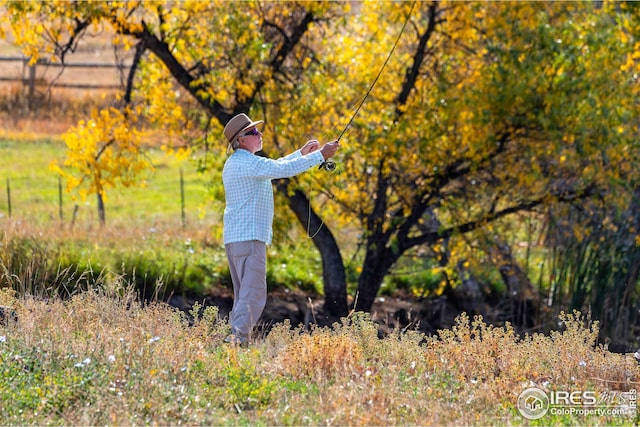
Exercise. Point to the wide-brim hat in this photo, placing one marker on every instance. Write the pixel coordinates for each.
(237, 125)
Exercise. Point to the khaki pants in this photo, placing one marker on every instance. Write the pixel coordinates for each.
(248, 268)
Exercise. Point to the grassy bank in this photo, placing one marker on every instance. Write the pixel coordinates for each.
(102, 358)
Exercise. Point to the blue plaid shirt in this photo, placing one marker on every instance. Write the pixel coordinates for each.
(248, 214)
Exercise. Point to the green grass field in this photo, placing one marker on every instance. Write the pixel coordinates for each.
(35, 193)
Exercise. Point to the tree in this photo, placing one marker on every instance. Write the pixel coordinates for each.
(499, 109)
(104, 151)
(224, 58)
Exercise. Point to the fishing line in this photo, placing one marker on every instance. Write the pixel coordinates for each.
(329, 165)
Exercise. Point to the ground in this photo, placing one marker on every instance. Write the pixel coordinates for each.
(390, 313)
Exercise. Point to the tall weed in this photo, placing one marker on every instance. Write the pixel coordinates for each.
(28, 265)
(596, 268)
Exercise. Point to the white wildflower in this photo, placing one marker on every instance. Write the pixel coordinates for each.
(84, 363)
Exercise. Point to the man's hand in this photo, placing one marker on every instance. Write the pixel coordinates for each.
(310, 147)
(329, 149)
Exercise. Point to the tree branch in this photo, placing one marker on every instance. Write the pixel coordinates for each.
(140, 49)
(182, 76)
(411, 76)
(71, 44)
(494, 215)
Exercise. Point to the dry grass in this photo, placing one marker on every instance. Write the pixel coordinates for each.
(120, 233)
(103, 358)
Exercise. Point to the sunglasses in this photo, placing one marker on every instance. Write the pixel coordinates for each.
(253, 131)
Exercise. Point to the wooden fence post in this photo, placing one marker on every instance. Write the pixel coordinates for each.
(60, 198)
(32, 86)
(75, 215)
(9, 196)
(184, 220)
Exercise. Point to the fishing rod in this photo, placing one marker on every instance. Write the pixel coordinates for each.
(330, 165)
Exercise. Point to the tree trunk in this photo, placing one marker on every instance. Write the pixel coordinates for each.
(333, 274)
(376, 265)
(101, 214)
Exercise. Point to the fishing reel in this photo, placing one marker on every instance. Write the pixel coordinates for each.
(328, 165)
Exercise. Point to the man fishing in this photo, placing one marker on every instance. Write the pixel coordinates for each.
(248, 215)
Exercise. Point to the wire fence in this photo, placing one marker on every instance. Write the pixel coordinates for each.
(47, 197)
